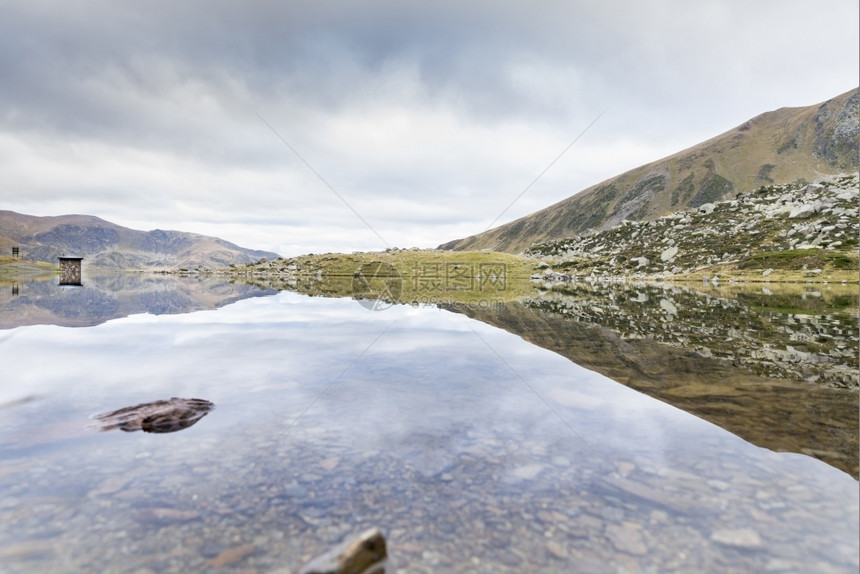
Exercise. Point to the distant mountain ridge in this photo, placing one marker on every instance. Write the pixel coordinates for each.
(779, 147)
(109, 246)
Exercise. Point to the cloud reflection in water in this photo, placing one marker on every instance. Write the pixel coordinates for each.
(331, 416)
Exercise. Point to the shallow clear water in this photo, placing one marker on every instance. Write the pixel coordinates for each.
(473, 451)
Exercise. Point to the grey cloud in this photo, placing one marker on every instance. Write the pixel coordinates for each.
(67, 66)
(98, 70)
(490, 92)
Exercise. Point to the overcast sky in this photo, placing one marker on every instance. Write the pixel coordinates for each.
(320, 126)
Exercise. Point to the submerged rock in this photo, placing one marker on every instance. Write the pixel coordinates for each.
(156, 417)
(365, 554)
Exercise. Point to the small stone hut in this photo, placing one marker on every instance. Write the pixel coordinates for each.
(70, 270)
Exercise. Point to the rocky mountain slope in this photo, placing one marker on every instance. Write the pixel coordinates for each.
(779, 147)
(806, 232)
(109, 246)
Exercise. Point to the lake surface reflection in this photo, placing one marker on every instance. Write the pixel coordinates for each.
(472, 449)
(778, 369)
(112, 295)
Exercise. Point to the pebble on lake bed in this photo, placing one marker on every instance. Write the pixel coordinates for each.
(740, 538)
(161, 516)
(232, 555)
(626, 538)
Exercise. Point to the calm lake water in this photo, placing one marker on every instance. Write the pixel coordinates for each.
(472, 449)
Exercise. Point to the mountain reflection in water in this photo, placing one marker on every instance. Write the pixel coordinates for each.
(790, 332)
(775, 364)
(112, 295)
(780, 372)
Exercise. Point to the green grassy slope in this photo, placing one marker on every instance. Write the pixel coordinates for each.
(783, 146)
